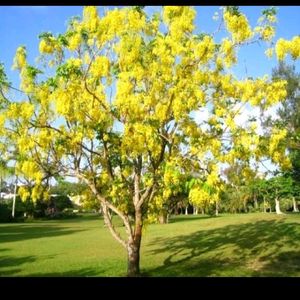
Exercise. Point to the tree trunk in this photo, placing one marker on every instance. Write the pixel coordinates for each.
(186, 210)
(245, 205)
(14, 198)
(217, 210)
(133, 267)
(163, 218)
(295, 205)
(202, 211)
(277, 207)
(195, 210)
(264, 204)
(255, 202)
(134, 245)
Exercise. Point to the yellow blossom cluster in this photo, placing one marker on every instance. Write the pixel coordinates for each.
(238, 26)
(47, 45)
(284, 47)
(180, 20)
(30, 169)
(227, 49)
(255, 91)
(100, 67)
(135, 21)
(20, 58)
(204, 50)
(90, 18)
(24, 193)
(277, 135)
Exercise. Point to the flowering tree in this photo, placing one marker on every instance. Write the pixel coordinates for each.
(111, 103)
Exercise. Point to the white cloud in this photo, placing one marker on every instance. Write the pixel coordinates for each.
(249, 112)
(272, 111)
(201, 116)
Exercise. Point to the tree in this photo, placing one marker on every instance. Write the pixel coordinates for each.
(116, 109)
(66, 188)
(261, 188)
(281, 186)
(241, 178)
(289, 113)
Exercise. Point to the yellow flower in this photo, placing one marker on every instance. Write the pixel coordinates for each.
(100, 67)
(46, 46)
(74, 41)
(20, 58)
(269, 52)
(268, 33)
(238, 26)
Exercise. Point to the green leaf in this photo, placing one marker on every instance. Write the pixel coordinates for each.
(32, 71)
(62, 40)
(233, 10)
(272, 11)
(45, 35)
(3, 77)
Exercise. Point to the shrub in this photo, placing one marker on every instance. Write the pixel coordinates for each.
(5, 213)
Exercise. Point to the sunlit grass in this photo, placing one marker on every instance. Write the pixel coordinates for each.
(230, 245)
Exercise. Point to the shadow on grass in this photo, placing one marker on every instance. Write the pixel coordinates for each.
(8, 266)
(263, 248)
(18, 233)
(177, 219)
(84, 272)
(82, 217)
(12, 262)
(289, 261)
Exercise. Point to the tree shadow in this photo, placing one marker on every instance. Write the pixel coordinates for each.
(12, 262)
(255, 248)
(79, 218)
(84, 272)
(290, 260)
(177, 219)
(4, 249)
(18, 233)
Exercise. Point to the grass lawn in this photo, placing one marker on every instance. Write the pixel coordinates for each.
(230, 245)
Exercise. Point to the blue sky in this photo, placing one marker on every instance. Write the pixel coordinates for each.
(21, 25)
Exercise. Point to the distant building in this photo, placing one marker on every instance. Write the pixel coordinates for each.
(6, 196)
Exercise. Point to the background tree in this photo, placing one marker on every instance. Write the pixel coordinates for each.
(280, 187)
(112, 104)
(66, 188)
(241, 178)
(289, 113)
(260, 187)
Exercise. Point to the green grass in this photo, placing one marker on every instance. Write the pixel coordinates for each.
(230, 245)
